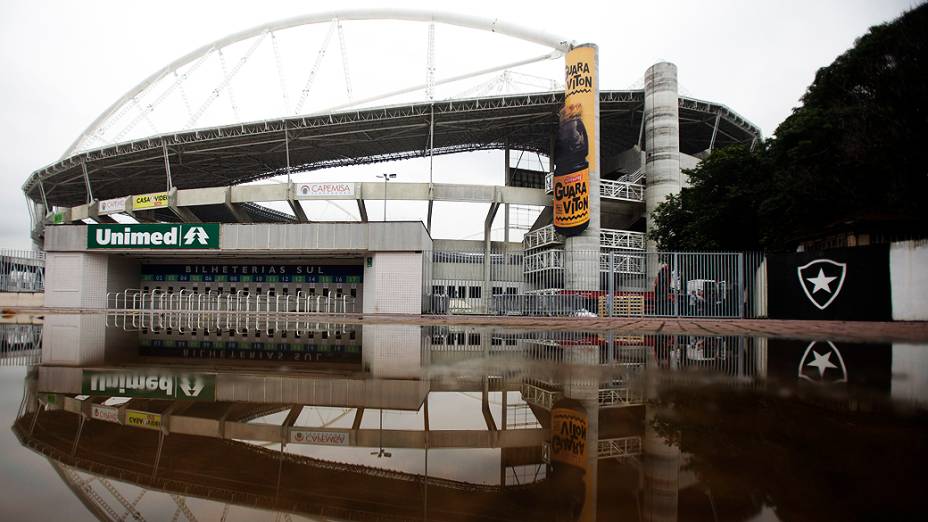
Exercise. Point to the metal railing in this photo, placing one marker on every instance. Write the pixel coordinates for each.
(620, 447)
(610, 189)
(20, 344)
(608, 238)
(184, 322)
(552, 259)
(539, 396)
(633, 177)
(134, 299)
(621, 190)
(620, 397)
(541, 237)
(618, 281)
(22, 270)
(621, 239)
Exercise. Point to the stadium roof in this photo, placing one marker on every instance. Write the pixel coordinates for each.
(229, 155)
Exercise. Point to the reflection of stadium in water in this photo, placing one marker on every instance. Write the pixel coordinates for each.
(464, 415)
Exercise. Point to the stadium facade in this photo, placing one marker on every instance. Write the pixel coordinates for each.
(204, 227)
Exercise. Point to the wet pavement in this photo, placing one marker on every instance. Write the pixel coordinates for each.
(206, 417)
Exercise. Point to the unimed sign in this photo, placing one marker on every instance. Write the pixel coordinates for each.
(154, 236)
(149, 384)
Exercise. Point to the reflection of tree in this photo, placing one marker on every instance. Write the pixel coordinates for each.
(807, 462)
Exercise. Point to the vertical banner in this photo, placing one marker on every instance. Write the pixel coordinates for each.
(569, 447)
(576, 150)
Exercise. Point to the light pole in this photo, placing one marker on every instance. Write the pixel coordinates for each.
(386, 178)
(381, 454)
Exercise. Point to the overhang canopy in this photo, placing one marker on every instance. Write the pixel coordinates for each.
(230, 155)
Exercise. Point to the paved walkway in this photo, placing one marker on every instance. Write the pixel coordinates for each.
(859, 331)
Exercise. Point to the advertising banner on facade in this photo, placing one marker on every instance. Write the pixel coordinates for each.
(149, 384)
(323, 190)
(151, 236)
(576, 150)
(104, 413)
(143, 419)
(153, 200)
(110, 206)
(569, 424)
(320, 437)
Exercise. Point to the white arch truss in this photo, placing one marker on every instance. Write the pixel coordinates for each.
(195, 58)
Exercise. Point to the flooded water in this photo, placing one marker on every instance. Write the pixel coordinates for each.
(210, 418)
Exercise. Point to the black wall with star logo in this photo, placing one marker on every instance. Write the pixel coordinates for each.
(864, 293)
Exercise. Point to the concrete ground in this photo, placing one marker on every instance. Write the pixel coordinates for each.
(855, 331)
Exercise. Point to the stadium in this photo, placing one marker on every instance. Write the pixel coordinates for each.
(213, 216)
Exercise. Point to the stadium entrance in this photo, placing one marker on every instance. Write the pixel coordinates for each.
(320, 283)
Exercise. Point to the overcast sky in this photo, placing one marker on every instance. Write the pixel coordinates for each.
(63, 62)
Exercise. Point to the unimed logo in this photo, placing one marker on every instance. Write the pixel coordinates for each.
(180, 236)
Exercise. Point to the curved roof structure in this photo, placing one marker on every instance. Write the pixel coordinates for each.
(556, 44)
(229, 155)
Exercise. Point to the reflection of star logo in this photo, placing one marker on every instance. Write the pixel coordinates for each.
(822, 362)
(826, 358)
(821, 282)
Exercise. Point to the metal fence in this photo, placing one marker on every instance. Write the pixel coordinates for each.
(20, 344)
(240, 302)
(22, 270)
(614, 282)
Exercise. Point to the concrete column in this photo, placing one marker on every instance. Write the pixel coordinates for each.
(506, 183)
(581, 252)
(662, 137)
(393, 283)
(487, 250)
(660, 467)
(582, 385)
(82, 280)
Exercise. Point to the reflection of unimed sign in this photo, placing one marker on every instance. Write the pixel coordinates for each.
(141, 419)
(568, 434)
(324, 438)
(149, 384)
(104, 413)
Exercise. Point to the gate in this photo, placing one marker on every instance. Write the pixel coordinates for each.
(603, 283)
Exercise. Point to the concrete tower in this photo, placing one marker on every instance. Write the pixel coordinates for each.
(582, 252)
(662, 137)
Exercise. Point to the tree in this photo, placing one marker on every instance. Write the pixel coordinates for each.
(719, 210)
(853, 149)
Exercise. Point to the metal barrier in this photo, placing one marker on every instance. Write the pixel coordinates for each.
(620, 279)
(208, 323)
(134, 299)
(22, 270)
(20, 344)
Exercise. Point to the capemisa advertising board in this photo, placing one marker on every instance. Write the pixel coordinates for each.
(153, 236)
(323, 190)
